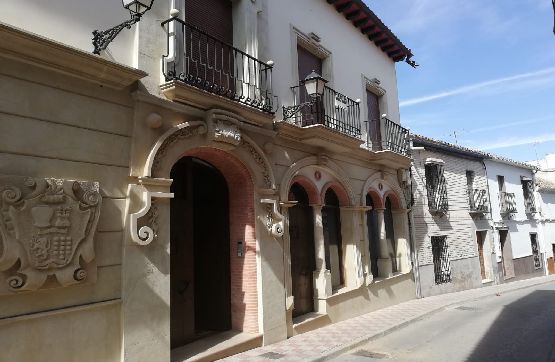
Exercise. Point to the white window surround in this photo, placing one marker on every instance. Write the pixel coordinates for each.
(307, 42)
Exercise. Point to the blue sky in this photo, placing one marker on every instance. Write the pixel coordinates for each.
(486, 75)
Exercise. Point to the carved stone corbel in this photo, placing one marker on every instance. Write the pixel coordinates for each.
(47, 227)
(274, 217)
(148, 188)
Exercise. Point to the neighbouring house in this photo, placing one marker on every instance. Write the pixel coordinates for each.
(451, 217)
(185, 188)
(545, 187)
(516, 223)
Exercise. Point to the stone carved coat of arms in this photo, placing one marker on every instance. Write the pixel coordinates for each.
(46, 228)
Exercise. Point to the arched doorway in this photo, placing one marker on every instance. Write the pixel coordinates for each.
(390, 233)
(200, 252)
(303, 262)
(373, 235)
(331, 223)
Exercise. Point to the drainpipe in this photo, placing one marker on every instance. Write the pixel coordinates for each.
(492, 239)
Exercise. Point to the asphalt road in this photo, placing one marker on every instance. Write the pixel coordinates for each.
(516, 326)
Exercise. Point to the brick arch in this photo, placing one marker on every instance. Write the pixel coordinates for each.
(339, 190)
(395, 203)
(244, 296)
(309, 187)
(376, 199)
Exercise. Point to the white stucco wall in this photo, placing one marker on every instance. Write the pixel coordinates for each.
(352, 55)
(520, 225)
(71, 22)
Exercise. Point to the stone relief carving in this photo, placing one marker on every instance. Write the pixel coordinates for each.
(181, 134)
(260, 161)
(148, 189)
(274, 219)
(227, 132)
(46, 228)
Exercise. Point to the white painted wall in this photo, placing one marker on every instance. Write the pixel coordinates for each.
(520, 225)
(71, 22)
(352, 54)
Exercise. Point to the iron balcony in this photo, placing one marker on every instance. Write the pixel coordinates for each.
(508, 203)
(478, 201)
(203, 61)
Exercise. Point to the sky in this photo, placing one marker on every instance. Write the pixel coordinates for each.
(486, 78)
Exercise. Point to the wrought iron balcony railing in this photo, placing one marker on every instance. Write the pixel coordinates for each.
(200, 60)
(396, 137)
(437, 197)
(333, 110)
(507, 202)
(478, 200)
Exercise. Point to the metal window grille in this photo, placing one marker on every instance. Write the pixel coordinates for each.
(535, 251)
(442, 267)
(528, 192)
(436, 187)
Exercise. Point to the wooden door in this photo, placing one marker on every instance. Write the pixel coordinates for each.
(332, 238)
(303, 262)
(200, 288)
(373, 236)
(307, 63)
(480, 241)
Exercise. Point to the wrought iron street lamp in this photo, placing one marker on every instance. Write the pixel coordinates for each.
(314, 84)
(137, 8)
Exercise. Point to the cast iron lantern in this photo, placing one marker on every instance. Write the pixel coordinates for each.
(314, 85)
(137, 8)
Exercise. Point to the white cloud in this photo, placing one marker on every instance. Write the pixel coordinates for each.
(487, 85)
(517, 141)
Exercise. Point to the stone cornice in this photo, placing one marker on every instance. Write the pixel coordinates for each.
(192, 96)
(45, 53)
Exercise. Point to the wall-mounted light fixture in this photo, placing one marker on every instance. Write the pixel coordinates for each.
(137, 8)
(314, 84)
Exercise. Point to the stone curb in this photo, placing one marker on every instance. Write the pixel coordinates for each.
(337, 351)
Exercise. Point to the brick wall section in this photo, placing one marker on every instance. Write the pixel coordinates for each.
(457, 224)
(244, 297)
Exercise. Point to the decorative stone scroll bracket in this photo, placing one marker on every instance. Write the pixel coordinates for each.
(275, 218)
(148, 188)
(47, 227)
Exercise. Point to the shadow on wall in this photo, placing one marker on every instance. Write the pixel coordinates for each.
(523, 331)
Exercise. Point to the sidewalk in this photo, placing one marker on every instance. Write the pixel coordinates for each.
(335, 339)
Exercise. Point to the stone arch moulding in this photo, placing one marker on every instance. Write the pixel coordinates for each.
(309, 187)
(339, 190)
(222, 130)
(323, 163)
(372, 184)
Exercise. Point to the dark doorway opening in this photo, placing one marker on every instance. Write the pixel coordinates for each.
(373, 235)
(200, 252)
(390, 234)
(480, 241)
(331, 223)
(303, 262)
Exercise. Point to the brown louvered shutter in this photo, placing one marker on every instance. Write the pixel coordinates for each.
(210, 59)
(214, 17)
(309, 62)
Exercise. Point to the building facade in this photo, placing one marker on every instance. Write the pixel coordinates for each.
(545, 186)
(517, 238)
(451, 217)
(185, 187)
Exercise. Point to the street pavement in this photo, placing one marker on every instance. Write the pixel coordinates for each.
(518, 326)
(335, 340)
